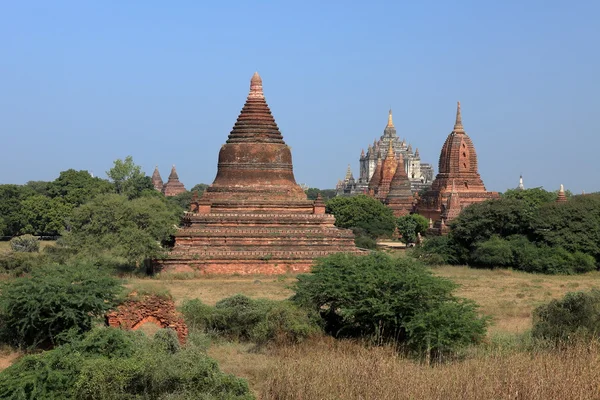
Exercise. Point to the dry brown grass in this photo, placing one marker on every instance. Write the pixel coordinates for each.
(214, 288)
(327, 369)
(345, 370)
(510, 296)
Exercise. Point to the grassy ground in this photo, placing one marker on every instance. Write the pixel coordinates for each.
(5, 245)
(326, 369)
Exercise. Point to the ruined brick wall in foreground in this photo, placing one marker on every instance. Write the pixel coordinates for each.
(135, 312)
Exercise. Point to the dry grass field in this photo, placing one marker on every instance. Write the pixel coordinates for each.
(329, 369)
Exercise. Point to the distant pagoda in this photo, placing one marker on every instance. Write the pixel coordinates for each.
(458, 182)
(255, 218)
(173, 187)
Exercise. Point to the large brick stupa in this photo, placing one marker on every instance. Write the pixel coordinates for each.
(255, 218)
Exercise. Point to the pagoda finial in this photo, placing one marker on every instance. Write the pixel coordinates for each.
(256, 89)
(390, 123)
(453, 187)
(458, 126)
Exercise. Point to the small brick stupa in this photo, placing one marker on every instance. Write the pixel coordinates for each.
(457, 168)
(173, 187)
(400, 198)
(255, 218)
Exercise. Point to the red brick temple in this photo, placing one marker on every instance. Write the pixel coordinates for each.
(255, 218)
(458, 182)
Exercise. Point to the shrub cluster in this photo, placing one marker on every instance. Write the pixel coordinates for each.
(389, 299)
(526, 231)
(575, 316)
(109, 363)
(256, 320)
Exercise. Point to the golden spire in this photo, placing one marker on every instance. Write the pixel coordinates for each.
(390, 122)
(458, 126)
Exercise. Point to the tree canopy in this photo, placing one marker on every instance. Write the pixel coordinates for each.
(363, 214)
(133, 229)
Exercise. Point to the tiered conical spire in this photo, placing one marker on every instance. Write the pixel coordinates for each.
(173, 175)
(390, 123)
(255, 122)
(458, 126)
(157, 180)
(173, 187)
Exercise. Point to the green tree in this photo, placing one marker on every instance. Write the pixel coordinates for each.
(44, 215)
(128, 178)
(411, 225)
(133, 229)
(362, 214)
(37, 309)
(388, 298)
(77, 187)
(11, 217)
(39, 187)
(502, 217)
(574, 225)
(534, 197)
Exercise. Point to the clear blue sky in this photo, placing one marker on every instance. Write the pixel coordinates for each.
(84, 83)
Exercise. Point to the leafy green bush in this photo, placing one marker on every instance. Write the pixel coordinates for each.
(18, 264)
(575, 315)
(437, 250)
(38, 309)
(25, 244)
(109, 363)
(260, 321)
(365, 242)
(387, 298)
(494, 252)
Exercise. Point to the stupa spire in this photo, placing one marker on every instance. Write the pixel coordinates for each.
(173, 175)
(390, 123)
(458, 126)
